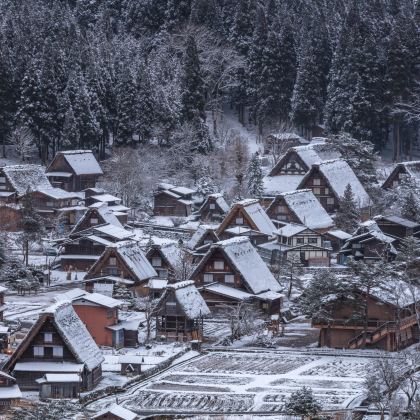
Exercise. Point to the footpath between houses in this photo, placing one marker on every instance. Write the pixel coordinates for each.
(117, 389)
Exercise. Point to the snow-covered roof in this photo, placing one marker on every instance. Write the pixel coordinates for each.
(412, 168)
(278, 184)
(57, 193)
(290, 229)
(60, 378)
(288, 136)
(189, 299)
(340, 234)
(157, 284)
(135, 260)
(118, 208)
(70, 295)
(339, 175)
(307, 209)
(316, 153)
(98, 299)
(182, 190)
(60, 174)
(199, 234)
(220, 201)
(114, 231)
(26, 177)
(106, 198)
(239, 230)
(75, 334)
(397, 292)
(83, 162)
(248, 262)
(41, 366)
(398, 220)
(223, 290)
(259, 217)
(99, 240)
(10, 392)
(172, 252)
(118, 411)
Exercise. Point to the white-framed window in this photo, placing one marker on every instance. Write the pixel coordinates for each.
(74, 202)
(2, 186)
(239, 221)
(317, 191)
(281, 209)
(112, 261)
(330, 200)
(219, 265)
(3, 179)
(58, 351)
(208, 278)
(317, 181)
(212, 206)
(94, 221)
(38, 351)
(48, 337)
(157, 262)
(326, 190)
(230, 278)
(49, 203)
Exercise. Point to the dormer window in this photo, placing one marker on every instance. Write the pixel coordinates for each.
(113, 261)
(48, 337)
(93, 221)
(219, 265)
(317, 181)
(239, 221)
(212, 206)
(157, 262)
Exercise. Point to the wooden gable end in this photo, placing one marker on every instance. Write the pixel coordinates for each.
(215, 267)
(280, 210)
(394, 178)
(209, 237)
(41, 339)
(322, 190)
(110, 263)
(290, 164)
(206, 212)
(60, 164)
(236, 217)
(5, 185)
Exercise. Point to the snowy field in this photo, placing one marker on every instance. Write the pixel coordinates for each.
(248, 381)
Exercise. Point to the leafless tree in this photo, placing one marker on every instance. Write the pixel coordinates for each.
(243, 319)
(149, 307)
(23, 141)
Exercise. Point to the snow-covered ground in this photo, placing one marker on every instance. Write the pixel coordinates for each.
(247, 381)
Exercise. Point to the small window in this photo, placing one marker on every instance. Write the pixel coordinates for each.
(2, 187)
(239, 221)
(109, 313)
(281, 209)
(58, 351)
(299, 241)
(317, 181)
(157, 262)
(212, 206)
(2, 179)
(326, 190)
(49, 203)
(48, 338)
(93, 221)
(313, 240)
(112, 261)
(208, 278)
(219, 265)
(38, 351)
(330, 200)
(317, 191)
(230, 278)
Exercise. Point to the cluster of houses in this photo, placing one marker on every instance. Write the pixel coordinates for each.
(229, 259)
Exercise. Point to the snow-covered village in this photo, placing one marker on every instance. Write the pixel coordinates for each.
(210, 209)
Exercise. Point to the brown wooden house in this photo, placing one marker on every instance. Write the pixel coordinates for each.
(398, 226)
(328, 181)
(403, 170)
(301, 207)
(293, 165)
(124, 260)
(391, 322)
(369, 243)
(10, 394)
(10, 217)
(246, 214)
(57, 343)
(214, 208)
(170, 200)
(180, 313)
(235, 265)
(294, 239)
(336, 239)
(74, 170)
(203, 237)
